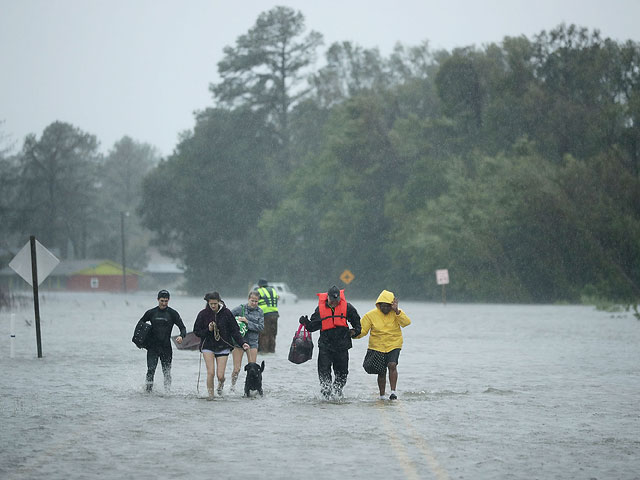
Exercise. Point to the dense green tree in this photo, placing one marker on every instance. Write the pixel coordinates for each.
(514, 165)
(204, 201)
(628, 78)
(507, 74)
(578, 103)
(461, 89)
(123, 169)
(350, 70)
(9, 174)
(606, 200)
(267, 68)
(506, 223)
(414, 91)
(410, 62)
(569, 91)
(121, 174)
(524, 230)
(308, 136)
(333, 217)
(9, 200)
(322, 228)
(631, 135)
(57, 189)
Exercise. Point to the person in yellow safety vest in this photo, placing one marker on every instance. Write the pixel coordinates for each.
(269, 304)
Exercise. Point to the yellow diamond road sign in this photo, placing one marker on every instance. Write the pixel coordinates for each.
(347, 277)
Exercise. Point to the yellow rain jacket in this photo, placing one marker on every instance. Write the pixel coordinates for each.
(385, 329)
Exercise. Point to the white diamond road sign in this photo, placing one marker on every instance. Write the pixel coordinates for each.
(45, 260)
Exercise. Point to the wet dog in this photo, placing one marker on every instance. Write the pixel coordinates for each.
(254, 378)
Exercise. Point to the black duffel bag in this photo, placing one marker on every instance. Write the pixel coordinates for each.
(301, 348)
(141, 334)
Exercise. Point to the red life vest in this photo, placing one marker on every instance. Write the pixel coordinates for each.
(332, 318)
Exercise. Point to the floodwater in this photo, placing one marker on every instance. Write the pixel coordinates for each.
(485, 392)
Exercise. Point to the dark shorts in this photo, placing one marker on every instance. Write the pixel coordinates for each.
(251, 338)
(392, 356)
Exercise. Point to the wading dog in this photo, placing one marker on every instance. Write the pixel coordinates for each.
(254, 378)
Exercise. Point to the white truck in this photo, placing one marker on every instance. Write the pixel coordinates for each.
(285, 295)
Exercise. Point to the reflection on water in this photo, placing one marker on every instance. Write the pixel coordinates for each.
(486, 391)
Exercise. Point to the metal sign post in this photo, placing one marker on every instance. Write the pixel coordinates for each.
(442, 278)
(12, 336)
(25, 264)
(34, 283)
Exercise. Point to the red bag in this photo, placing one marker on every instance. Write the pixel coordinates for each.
(301, 348)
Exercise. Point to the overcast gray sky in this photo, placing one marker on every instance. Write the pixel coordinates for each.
(142, 67)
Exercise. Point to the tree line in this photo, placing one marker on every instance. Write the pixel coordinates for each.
(62, 190)
(514, 165)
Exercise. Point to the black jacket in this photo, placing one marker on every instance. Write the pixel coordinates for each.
(227, 329)
(338, 338)
(162, 321)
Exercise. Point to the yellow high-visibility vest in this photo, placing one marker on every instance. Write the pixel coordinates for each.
(268, 299)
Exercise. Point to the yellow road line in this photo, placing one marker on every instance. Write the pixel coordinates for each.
(436, 468)
(409, 466)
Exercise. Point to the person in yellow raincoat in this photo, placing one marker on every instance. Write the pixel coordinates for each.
(385, 340)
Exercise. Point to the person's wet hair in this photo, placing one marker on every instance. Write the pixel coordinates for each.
(212, 296)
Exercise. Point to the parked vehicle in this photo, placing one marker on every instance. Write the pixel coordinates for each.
(285, 295)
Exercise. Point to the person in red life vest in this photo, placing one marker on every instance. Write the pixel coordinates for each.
(331, 317)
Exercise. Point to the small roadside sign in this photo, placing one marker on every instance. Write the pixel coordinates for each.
(45, 260)
(347, 277)
(442, 276)
(34, 263)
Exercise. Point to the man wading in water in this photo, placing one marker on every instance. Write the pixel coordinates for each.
(269, 304)
(162, 319)
(330, 317)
